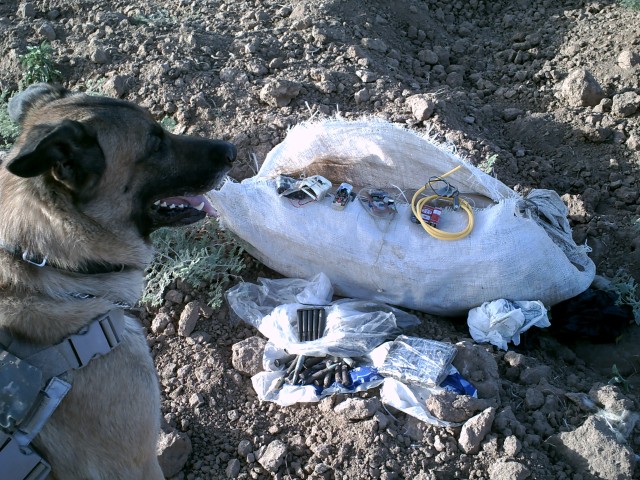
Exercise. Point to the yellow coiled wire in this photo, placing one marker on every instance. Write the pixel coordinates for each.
(418, 203)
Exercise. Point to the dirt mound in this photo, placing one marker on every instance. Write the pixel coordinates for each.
(545, 93)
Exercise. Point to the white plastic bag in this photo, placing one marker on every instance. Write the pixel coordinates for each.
(502, 321)
(519, 248)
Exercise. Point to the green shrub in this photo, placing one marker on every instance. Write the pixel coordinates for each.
(201, 255)
(9, 130)
(627, 288)
(632, 4)
(488, 164)
(38, 65)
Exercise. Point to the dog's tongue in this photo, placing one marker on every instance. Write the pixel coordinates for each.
(199, 202)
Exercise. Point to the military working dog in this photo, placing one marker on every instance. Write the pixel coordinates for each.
(87, 181)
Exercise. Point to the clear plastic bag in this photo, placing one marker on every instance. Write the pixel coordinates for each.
(419, 361)
(253, 302)
(353, 327)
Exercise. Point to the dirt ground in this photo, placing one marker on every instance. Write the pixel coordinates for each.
(550, 91)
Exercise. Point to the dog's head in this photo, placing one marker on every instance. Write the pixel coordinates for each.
(111, 162)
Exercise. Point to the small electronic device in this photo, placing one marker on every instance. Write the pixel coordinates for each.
(343, 196)
(284, 183)
(430, 215)
(378, 202)
(315, 187)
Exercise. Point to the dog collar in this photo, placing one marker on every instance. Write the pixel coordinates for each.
(41, 261)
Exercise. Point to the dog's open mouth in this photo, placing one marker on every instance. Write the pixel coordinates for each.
(180, 210)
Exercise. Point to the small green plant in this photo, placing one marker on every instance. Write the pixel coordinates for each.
(168, 123)
(95, 87)
(201, 255)
(487, 165)
(618, 379)
(38, 65)
(632, 4)
(9, 130)
(160, 16)
(626, 288)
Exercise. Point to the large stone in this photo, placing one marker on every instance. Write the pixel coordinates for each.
(628, 59)
(173, 452)
(625, 104)
(480, 368)
(273, 456)
(188, 319)
(233, 468)
(358, 408)
(452, 407)
(422, 106)
(246, 355)
(118, 85)
(475, 429)
(279, 93)
(592, 450)
(580, 89)
(375, 44)
(508, 470)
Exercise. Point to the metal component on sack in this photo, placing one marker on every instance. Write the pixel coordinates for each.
(343, 196)
(319, 371)
(346, 378)
(284, 361)
(296, 370)
(326, 382)
(311, 323)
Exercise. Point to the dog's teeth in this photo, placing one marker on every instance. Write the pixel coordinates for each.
(180, 206)
(172, 206)
(163, 204)
(157, 203)
(200, 207)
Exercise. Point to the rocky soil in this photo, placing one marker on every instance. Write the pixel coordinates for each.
(546, 92)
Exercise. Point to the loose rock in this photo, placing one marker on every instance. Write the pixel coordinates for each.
(510, 470)
(580, 89)
(475, 429)
(593, 449)
(247, 355)
(273, 456)
(358, 408)
(188, 319)
(279, 93)
(422, 106)
(173, 451)
(625, 104)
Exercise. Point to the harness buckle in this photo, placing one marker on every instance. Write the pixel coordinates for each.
(26, 258)
(99, 338)
(21, 463)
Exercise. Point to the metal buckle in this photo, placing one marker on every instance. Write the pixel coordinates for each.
(25, 257)
(20, 463)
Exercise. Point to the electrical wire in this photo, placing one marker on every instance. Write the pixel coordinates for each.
(418, 203)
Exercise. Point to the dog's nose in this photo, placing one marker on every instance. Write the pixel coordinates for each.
(224, 151)
(231, 152)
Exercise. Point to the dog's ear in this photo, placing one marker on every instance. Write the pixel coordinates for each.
(69, 150)
(35, 95)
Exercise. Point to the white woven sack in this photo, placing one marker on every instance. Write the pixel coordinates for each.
(519, 248)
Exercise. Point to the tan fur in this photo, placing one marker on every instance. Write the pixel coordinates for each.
(107, 426)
